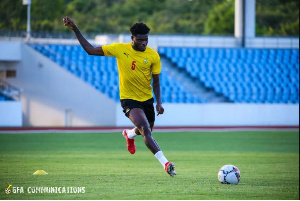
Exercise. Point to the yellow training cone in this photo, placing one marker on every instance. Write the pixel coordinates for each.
(40, 172)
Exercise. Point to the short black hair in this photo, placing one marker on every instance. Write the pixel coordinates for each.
(139, 28)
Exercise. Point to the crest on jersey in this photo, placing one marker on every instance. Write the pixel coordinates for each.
(146, 61)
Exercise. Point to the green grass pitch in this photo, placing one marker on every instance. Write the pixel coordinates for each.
(100, 162)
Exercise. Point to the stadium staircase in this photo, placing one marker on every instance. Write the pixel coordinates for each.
(191, 83)
(8, 92)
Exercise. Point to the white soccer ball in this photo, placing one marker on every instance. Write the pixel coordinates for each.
(229, 174)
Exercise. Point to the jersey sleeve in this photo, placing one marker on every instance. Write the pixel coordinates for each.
(111, 50)
(156, 67)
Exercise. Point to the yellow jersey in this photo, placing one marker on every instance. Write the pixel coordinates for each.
(135, 70)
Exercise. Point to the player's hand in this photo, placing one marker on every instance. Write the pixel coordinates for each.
(69, 23)
(159, 109)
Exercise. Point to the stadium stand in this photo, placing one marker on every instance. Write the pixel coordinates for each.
(8, 92)
(5, 97)
(239, 74)
(2, 98)
(242, 75)
(102, 73)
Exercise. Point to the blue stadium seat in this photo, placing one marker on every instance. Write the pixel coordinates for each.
(257, 75)
(102, 72)
(241, 75)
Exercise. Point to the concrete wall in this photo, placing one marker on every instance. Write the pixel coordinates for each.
(225, 114)
(10, 51)
(51, 96)
(272, 42)
(10, 113)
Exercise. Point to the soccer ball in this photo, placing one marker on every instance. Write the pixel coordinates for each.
(229, 174)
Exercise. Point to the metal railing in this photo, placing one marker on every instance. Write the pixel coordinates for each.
(155, 40)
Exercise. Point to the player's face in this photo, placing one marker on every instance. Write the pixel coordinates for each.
(139, 42)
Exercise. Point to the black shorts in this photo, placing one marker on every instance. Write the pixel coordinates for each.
(146, 106)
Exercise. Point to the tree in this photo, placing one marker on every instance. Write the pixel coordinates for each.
(12, 15)
(273, 17)
(47, 15)
(277, 17)
(221, 19)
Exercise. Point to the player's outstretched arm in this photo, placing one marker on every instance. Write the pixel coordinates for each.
(156, 90)
(91, 50)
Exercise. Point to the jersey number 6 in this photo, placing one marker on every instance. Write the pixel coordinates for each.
(133, 65)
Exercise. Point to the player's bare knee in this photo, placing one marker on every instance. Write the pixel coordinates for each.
(144, 129)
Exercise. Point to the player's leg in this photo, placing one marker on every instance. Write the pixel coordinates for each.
(132, 133)
(144, 118)
(139, 119)
(129, 135)
(130, 142)
(129, 104)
